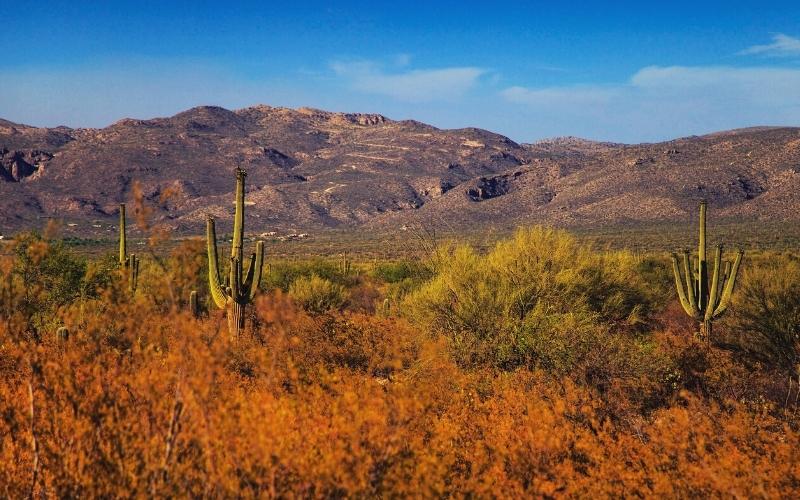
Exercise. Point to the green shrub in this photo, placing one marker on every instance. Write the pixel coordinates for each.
(317, 295)
(765, 314)
(282, 274)
(397, 291)
(396, 272)
(540, 298)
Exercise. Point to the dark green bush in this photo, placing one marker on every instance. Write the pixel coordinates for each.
(282, 274)
(765, 314)
(395, 272)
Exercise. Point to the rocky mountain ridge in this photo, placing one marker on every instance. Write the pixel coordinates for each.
(310, 169)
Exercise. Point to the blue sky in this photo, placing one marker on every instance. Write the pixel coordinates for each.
(629, 71)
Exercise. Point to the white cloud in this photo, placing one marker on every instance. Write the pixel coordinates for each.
(659, 102)
(782, 45)
(417, 85)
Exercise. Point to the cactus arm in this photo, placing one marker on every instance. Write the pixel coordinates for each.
(713, 297)
(725, 300)
(134, 272)
(193, 306)
(259, 266)
(690, 287)
(238, 218)
(123, 243)
(235, 278)
(687, 305)
(248, 276)
(217, 294)
(62, 334)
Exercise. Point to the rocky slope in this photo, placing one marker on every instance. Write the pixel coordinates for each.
(309, 169)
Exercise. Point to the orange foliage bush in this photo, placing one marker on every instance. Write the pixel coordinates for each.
(138, 403)
(144, 400)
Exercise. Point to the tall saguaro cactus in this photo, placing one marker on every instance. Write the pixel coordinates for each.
(345, 265)
(130, 263)
(703, 300)
(242, 286)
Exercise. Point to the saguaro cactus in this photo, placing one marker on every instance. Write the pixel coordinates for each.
(345, 266)
(702, 302)
(130, 263)
(194, 307)
(62, 334)
(242, 286)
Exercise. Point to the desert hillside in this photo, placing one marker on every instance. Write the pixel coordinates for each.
(310, 169)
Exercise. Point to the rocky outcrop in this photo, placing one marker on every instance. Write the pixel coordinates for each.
(488, 188)
(16, 166)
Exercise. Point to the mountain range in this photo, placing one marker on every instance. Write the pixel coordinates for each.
(310, 169)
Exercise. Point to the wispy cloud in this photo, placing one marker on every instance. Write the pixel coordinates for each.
(781, 46)
(414, 85)
(658, 101)
(579, 95)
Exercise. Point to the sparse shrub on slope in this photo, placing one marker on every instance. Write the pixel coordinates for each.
(317, 295)
(539, 298)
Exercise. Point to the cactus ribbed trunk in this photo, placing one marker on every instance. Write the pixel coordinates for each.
(236, 317)
(238, 218)
(130, 263)
(702, 264)
(705, 331)
(123, 238)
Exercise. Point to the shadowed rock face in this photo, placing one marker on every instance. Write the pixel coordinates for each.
(13, 167)
(309, 169)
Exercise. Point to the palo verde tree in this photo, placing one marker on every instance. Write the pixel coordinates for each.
(703, 299)
(241, 286)
(129, 263)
